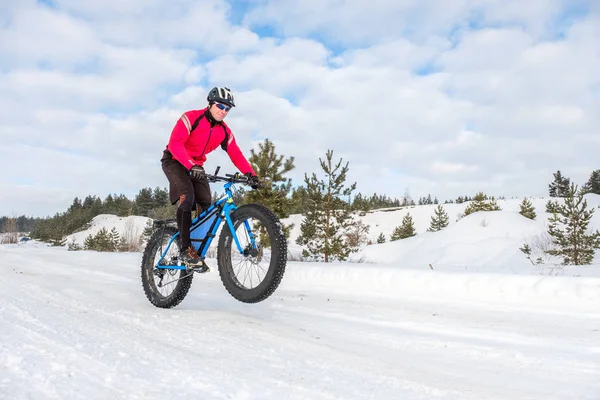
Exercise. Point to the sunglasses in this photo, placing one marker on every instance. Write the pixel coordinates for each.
(222, 107)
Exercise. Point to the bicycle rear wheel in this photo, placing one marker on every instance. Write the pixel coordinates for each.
(165, 288)
(253, 276)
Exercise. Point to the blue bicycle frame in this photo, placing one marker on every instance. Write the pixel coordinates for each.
(223, 208)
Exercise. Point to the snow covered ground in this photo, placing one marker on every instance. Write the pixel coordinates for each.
(480, 323)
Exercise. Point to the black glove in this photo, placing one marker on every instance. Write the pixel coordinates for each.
(253, 181)
(197, 173)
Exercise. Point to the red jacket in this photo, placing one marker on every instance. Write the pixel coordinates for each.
(191, 149)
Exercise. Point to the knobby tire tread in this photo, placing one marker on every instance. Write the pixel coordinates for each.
(278, 254)
(182, 286)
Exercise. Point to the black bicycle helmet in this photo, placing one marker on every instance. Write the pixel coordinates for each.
(221, 95)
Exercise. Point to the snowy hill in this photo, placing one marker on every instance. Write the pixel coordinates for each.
(130, 228)
(483, 241)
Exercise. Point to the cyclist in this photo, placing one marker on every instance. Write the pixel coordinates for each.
(197, 133)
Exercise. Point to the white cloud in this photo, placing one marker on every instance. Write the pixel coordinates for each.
(415, 99)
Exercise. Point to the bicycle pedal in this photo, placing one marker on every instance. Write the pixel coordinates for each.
(202, 268)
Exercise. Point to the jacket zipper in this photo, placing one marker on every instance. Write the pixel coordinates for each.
(208, 140)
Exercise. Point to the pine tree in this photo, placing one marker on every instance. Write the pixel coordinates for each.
(271, 168)
(560, 186)
(115, 239)
(328, 217)
(103, 240)
(360, 203)
(124, 205)
(160, 198)
(76, 206)
(109, 206)
(381, 238)
(396, 233)
(593, 184)
(148, 230)
(481, 203)
(89, 243)
(144, 202)
(552, 206)
(406, 230)
(439, 219)
(527, 209)
(573, 243)
(299, 200)
(408, 226)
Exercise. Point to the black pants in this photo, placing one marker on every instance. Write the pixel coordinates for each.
(187, 192)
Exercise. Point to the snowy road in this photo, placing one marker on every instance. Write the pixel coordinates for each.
(76, 325)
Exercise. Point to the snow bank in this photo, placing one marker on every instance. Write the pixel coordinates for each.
(130, 227)
(561, 293)
(483, 242)
(482, 239)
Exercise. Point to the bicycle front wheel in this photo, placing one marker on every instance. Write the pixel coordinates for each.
(255, 274)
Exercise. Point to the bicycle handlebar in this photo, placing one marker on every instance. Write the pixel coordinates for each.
(233, 178)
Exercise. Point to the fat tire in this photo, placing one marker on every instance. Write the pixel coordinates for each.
(182, 286)
(278, 254)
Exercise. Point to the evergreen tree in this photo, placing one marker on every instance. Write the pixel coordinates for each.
(160, 197)
(148, 230)
(569, 228)
(406, 230)
(439, 220)
(560, 186)
(381, 238)
(115, 239)
(328, 217)
(299, 200)
(123, 205)
(552, 206)
(76, 206)
(360, 203)
(480, 203)
(527, 209)
(144, 202)
(89, 243)
(109, 206)
(272, 168)
(593, 184)
(103, 240)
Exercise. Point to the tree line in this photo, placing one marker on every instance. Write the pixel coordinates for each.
(330, 229)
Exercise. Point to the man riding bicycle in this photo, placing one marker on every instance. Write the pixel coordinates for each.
(197, 133)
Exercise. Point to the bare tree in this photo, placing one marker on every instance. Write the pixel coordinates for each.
(357, 234)
(10, 234)
(130, 238)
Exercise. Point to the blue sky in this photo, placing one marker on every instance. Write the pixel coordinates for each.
(441, 97)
